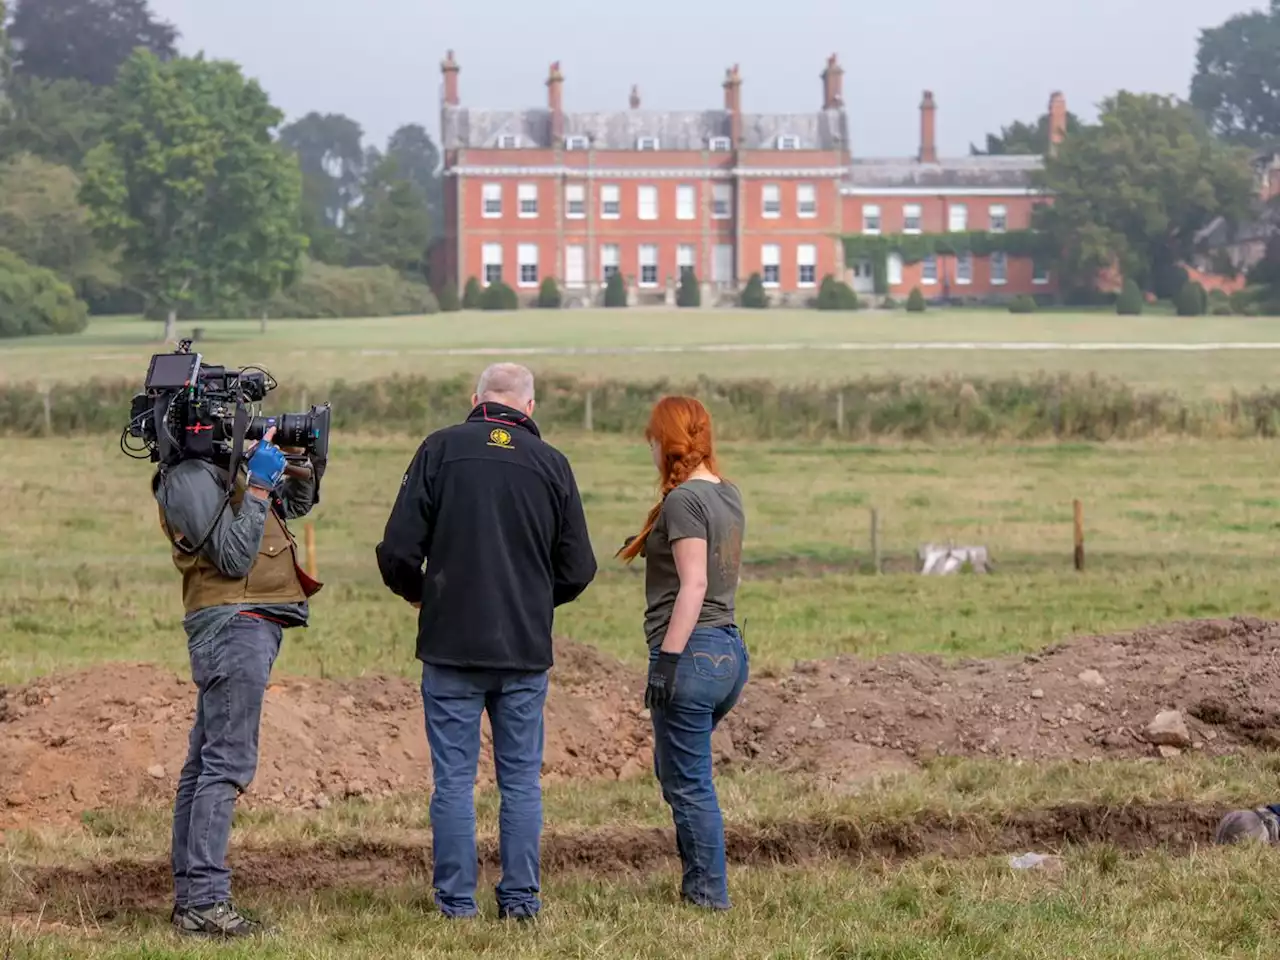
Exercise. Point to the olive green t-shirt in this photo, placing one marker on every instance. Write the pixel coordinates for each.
(703, 510)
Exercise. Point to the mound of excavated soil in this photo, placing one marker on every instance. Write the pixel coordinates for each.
(1090, 697)
(116, 735)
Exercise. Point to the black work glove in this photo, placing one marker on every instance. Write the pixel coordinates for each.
(662, 680)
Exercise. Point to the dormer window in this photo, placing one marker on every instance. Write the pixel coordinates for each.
(788, 142)
(576, 143)
(647, 143)
(508, 141)
(721, 144)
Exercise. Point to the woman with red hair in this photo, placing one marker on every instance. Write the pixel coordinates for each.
(692, 548)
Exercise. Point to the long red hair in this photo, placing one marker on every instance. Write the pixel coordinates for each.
(681, 427)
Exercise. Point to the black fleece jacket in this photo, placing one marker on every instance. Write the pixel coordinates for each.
(495, 512)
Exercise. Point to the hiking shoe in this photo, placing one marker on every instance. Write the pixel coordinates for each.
(219, 920)
(177, 916)
(518, 914)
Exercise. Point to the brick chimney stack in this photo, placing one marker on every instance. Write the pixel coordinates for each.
(555, 103)
(733, 104)
(635, 97)
(928, 129)
(1057, 121)
(833, 85)
(449, 68)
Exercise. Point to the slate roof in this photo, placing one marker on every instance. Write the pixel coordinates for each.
(693, 130)
(987, 172)
(622, 129)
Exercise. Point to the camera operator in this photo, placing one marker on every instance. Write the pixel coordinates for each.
(240, 591)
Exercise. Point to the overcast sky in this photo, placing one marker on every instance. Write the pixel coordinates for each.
(988, 61)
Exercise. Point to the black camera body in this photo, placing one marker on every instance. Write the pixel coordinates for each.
(188, 410)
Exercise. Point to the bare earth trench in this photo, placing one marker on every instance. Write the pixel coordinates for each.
(115, 736)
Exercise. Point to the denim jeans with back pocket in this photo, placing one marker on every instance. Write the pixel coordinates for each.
(454, 701)
(231, 670)
(709, 679)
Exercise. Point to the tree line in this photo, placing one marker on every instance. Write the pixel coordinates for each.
(134, 179)
(1137, 189)
(145, 181)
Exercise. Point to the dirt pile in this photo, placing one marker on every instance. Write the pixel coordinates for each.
(1090, 697)
(116, 735)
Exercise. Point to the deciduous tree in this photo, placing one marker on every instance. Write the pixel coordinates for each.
(1024, 138)
(1134, 189)
(418, 161)
(57, 120)
(44, 222)
(330, 149)
(189, 184)
(1237, 80)
(85, 39)
(391, 225)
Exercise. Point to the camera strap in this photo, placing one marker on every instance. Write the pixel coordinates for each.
(239, 428)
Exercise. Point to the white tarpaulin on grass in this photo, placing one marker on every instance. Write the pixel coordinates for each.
(938, 560)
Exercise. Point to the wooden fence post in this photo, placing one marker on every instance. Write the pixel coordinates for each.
(48, 411)
(1078, 511)
(875, 539)
(588, 413)
(310, 531)
(840, 414)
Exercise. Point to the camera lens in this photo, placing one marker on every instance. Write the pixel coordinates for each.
(310, 430)
(293, 430)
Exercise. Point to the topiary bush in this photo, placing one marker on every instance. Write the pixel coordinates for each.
(615, 291)
(915, 301)
(1130, 302)
(1168, 281)
(753, 295)
(1023, 304)
(689, 293)
(499, 296)
(34, 301)
(1219, 304)
(549, 294)
(472, 294)
(448, 298)
(835, 294)
(1191, 301)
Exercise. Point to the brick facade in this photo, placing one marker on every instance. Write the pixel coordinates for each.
(540, 192)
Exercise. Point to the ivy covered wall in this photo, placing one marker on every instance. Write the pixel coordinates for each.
(914, 247)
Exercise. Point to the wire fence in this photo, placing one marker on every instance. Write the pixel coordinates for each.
(1079, 408)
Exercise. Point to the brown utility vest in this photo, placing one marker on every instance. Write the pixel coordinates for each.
(274, 578)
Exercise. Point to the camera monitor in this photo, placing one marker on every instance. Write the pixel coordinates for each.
(172, 371)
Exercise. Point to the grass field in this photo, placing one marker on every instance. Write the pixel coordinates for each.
(1175, 529)
(321, 351)
(1107, 904)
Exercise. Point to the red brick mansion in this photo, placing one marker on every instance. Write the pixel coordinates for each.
(538, 192)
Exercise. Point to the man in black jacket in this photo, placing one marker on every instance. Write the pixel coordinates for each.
(495, 513)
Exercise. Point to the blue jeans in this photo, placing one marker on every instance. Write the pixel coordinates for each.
(231, 671)
(709, 679)
(454, 701)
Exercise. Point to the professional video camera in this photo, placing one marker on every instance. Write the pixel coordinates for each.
(188, 410)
